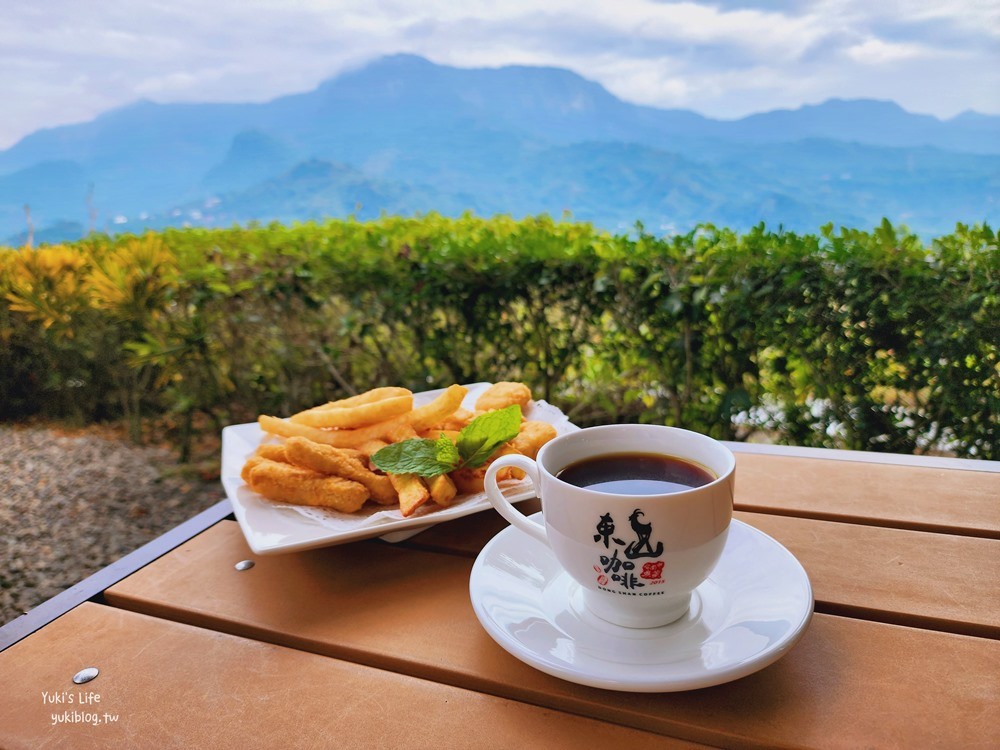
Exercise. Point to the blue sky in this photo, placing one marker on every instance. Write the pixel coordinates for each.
(66, 61)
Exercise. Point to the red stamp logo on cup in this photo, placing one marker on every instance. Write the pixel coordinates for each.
(652, 571)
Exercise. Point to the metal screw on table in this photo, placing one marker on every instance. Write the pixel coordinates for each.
(86, 675)
(244, 565)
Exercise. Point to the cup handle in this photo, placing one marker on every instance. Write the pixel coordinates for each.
(503, 505)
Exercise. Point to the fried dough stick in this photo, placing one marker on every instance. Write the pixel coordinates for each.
(352, 417)
(250, 465)
(342, 463)
(442, 489)
(273, 451)
(368, 397)
(293, 484)
(503, 394)
(419, 419)
(336, 438)
(412, 491)
(532, 436)
(442, 407)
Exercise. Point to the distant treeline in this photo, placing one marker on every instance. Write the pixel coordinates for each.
(870, 340)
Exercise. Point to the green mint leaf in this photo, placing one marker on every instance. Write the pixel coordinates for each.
(415, 456)
(479, 439)
(447, 452)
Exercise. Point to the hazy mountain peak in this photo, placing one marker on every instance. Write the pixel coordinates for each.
(253, 155)
(416, 80)
(404, 133)
(971, 116)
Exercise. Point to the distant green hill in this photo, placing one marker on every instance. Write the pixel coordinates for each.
(404, 135)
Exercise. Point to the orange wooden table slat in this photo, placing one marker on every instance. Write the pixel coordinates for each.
(931, 498)
(847, 683)
(164, 684)
(917, 578)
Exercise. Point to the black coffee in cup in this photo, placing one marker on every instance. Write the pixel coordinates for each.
(636, 474)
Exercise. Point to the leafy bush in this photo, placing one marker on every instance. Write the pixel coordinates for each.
(865, 340)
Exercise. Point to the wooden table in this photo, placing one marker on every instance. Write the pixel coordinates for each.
(301, 650)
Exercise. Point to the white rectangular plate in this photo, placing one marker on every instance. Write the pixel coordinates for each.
(272, 528)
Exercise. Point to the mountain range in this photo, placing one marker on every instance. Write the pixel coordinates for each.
(404, 135)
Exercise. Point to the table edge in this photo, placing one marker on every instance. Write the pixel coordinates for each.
(93, 586)
(840, 454)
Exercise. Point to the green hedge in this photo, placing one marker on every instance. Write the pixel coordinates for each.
(851, 339)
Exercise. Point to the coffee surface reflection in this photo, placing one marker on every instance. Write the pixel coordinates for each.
(636, 474)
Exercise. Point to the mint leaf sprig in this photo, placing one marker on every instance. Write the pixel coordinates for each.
(477, 441)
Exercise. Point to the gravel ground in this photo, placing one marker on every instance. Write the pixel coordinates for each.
(72, 504)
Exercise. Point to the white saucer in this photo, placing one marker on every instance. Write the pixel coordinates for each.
(747, 615)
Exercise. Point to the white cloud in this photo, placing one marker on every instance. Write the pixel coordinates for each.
(874, 51)
(689, 23)
(65, 61)
(979, 17)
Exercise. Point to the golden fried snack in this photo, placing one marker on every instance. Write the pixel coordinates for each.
(532, 436)
(472, 480)
(292, 484)
(350, 417)
(457, 421)
(368, 397)
(469, 481)
(503, 394)
(282, 428)
(401, 433)
(435, 432)
(372, 446)
(336, 438)
(326, 459)
(439, 409)
(507, 472)
(273, 451)
(354, 453)
(442, 489)
(412, 492)
(249, 466)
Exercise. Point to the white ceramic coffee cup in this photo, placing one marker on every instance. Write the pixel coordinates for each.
(637, 558)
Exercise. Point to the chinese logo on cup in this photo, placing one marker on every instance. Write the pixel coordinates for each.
(622, 571)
